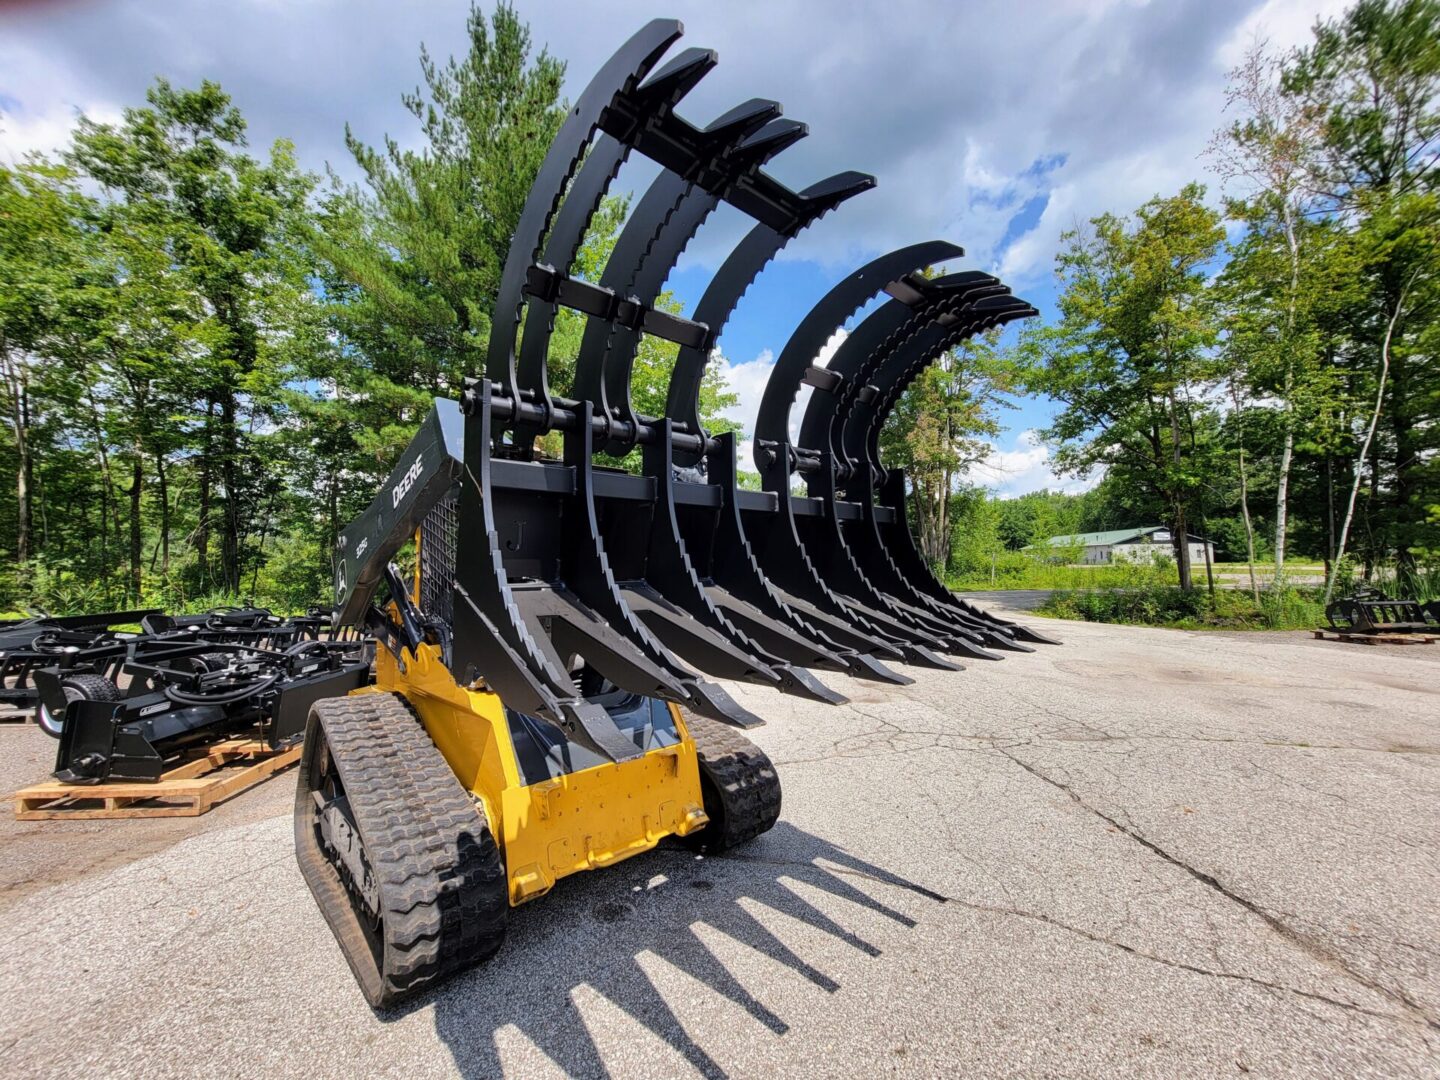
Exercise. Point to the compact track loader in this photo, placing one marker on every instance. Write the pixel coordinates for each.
(538, 706)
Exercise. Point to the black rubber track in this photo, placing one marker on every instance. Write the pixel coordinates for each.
(441, 879)
(739, 785)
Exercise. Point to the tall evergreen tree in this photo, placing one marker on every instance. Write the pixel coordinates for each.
(412, 256)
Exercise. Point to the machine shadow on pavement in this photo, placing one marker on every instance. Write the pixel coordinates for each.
(591, 933)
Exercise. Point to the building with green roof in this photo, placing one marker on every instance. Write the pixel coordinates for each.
(1125, 545)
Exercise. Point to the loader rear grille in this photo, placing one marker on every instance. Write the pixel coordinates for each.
(437, 559)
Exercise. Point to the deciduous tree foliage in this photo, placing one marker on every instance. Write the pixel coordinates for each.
(941, 426)
(1280, 388)
(1130, 360)
(208, 360)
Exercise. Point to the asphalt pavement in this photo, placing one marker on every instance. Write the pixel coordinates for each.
(1142, 853)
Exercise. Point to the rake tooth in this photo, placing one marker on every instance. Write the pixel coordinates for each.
(708, 699)
(962, 646)
(920, 656)
(800, 683)
(1021, 631)
(587, 723)
(867, 667)
(1002, 639)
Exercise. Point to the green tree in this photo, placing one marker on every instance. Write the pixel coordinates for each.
(1277, 284)
(41, 236)
(1373, 75)
(209, 287)
(941, 426)
(412, 257)
(1130, 360)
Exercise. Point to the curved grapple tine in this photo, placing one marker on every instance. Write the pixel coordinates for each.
(921, 312)
(786, 559)
(861, 428)
(742, 140)
(622, 72)
(735, 275)
(582, 200)
(772, 424)
(653, 217)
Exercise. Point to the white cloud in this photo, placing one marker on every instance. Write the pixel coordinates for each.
(1284, 24)
(26, 130)
(966, 113)
(1023, 468)
(747, 380)
(41, 98)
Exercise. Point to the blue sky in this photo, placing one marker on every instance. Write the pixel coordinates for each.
(996, 125)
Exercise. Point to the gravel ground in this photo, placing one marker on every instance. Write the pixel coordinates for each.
(1144, 853)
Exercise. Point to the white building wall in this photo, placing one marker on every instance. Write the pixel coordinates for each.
(1146, 552)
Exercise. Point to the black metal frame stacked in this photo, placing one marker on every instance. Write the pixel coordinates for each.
(653, 578)
(1370, 611)
(186, 689)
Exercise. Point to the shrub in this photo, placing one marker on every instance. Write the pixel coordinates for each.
(1166, 605)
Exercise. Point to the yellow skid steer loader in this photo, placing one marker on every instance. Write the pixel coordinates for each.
(538, 707)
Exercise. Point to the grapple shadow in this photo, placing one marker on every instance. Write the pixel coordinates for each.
(590, 933)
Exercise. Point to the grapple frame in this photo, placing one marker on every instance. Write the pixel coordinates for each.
(1370, 611)
(566, 574)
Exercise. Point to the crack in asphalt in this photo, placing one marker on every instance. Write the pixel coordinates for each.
(1302, 941)
(1098, 939)
(1181, 965)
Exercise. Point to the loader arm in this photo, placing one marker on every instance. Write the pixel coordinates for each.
(427, 469)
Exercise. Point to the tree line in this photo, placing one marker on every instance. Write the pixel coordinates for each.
(211, 358)
(1263, 372)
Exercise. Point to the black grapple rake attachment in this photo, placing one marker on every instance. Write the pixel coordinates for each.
(548, 579)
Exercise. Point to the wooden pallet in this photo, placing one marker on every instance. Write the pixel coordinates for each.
(219, 772)
(1374, 639)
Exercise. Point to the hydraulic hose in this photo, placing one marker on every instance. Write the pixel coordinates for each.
(254, 688)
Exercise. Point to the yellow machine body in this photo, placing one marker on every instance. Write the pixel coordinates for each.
(578, 821)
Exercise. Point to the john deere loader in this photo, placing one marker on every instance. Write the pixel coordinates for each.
(541, 705)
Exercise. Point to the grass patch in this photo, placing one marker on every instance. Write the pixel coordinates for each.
(1027, 573)
(1166, 605)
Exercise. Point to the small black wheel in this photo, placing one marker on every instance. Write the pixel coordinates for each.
(80, 686)
(738, 783)
(399, 859)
